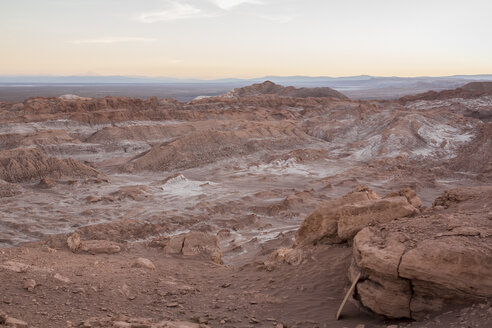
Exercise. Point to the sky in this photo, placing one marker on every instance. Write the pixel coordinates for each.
(210, 39)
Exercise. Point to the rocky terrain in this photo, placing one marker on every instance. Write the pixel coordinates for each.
(258, 208)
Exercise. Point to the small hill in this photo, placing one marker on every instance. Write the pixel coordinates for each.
(470, 90)
(25, 164)
(270, 88)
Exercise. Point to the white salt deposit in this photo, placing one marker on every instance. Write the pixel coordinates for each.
(73, 97)
(180, 186)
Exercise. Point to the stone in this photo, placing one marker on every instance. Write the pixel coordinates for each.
(143, 263)
(15, 323)
(3, 317)
(195, 243)
(73, 242)
(175, 244)
(284, 255)
(17, 267)
(29, 284)
(339, 220)
(100, 247)
(47, 183)
(61, 278)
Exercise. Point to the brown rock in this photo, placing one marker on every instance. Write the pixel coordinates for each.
(412, 267)
(29, 284)
(195, 243)
(409, 194)
(61, 278)
(201, 243)
(46, 183)
(174, 245)
(99, 247)
(284, 255)
(144, 263)
(340, 219)
(15, 323)
(15, 266)
(73, 242)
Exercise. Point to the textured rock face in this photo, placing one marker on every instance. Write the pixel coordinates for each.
(420, 265)
(339, 220)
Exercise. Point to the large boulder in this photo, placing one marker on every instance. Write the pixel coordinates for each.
(339, 220)
(411, 267)
(193, 244)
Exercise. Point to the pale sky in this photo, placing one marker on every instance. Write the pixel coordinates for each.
(245, 38)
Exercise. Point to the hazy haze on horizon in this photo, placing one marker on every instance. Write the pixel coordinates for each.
(245, 38)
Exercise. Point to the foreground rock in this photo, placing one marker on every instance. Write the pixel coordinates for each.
(340, 219)
(92, 246)
(193, 243)
(127, 322)
(424, 264)
(7, 321)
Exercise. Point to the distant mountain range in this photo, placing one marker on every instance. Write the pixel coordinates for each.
(17, 88)
(347, 81)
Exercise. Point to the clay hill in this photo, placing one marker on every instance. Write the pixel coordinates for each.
(264, 207)
(468, 91)
(270, 88)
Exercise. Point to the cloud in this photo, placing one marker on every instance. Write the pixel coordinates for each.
(275, 18)
(117, 39)
(229, 4)
(174, 12)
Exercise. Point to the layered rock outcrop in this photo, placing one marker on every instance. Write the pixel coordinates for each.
(339, 220)
(414, 266)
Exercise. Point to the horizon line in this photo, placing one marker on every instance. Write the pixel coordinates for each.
(232, 78)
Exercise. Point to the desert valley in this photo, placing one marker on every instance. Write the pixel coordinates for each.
(256, 208)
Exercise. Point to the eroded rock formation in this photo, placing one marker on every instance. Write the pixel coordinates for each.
(340, 219)
(25, 164)
(414, 266)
